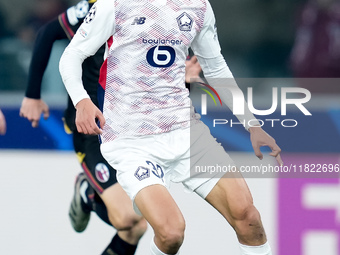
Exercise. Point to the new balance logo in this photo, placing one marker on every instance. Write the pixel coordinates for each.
(138, 21)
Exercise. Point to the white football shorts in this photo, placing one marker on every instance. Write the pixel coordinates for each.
(164, 158)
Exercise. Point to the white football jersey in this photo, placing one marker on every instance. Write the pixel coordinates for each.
(143, 74)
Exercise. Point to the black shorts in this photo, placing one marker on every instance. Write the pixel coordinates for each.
(87, 147)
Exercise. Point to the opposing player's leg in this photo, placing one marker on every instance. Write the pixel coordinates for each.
(101, 177)
(121, 214)
(85, 200)
(117, 210)
(80, 210)
(130, 227)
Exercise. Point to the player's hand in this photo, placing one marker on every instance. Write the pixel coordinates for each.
(86, 116)
(192, 69)
(2, 124)
(32, 109)
(259, 138)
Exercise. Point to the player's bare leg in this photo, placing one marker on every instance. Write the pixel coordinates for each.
(161, 211)
(232, 198)
(129, 225)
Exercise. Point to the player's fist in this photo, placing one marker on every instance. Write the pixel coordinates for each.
(32, 109)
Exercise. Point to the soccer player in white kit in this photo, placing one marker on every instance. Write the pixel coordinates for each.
(146, 117)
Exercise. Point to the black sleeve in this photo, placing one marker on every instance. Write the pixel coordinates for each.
(46, 36)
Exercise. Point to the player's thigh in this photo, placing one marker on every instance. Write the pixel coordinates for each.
(222, 186)
(160, 209)
(231, 197)
(142, 173)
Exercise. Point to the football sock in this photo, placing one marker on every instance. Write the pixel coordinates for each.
(263, 249)
(119, 247)
(155, 251)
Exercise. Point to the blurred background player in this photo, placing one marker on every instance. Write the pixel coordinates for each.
(2, 123)
(316, 51)
(100, 176)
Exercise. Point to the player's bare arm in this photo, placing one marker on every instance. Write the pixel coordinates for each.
(86, 116)
(32, 109)
(2, 123)
(259, 138)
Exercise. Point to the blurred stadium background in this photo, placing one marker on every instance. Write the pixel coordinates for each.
(258, 39)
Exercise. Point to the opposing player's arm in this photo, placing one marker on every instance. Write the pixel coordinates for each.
(32, 105)
(43, 44)
(98, 26)
(207, 49)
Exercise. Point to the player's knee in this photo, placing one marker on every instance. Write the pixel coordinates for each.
(171, 235)
(248, 220)
(245, 212)
(123, 221)
(140, 228)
